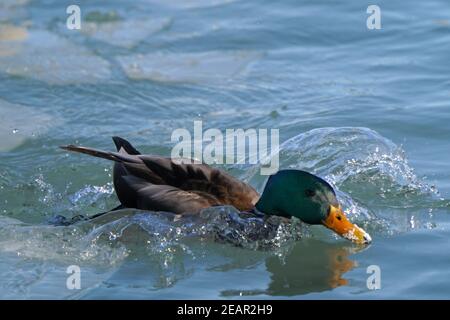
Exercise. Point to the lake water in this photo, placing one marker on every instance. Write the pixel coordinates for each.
(368, 110)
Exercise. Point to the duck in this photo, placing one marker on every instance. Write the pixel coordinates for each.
(185, 188)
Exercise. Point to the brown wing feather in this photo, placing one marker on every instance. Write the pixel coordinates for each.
(162, 184)
(157, 183)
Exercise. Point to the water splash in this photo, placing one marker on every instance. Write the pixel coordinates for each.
(90, 195)
(38, 199)
(254, 232)
(221, 224)
(370, 173)
(344, 155)
(62, 244)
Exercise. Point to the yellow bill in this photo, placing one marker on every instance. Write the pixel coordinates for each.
(338, 222)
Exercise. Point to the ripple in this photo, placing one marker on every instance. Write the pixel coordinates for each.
(126, 33)
(19, 123)
(199, 68)
(191, 4)
(45, 56)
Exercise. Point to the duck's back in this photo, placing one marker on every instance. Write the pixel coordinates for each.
(163, 184)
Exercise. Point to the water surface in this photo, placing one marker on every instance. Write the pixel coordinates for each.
(368, 110)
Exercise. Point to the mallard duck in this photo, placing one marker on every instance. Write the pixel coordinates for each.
(156, 183)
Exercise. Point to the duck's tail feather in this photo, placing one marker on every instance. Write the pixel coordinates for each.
(124, 144)
(114, 156)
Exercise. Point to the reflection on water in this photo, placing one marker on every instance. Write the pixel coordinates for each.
(311, 266)
(366, 110)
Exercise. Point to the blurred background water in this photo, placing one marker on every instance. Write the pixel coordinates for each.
(366, 109)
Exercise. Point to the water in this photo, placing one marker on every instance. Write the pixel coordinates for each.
(366, 109)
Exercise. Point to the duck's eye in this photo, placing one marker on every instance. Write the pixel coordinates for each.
(310, 193)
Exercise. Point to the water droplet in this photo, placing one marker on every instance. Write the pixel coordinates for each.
(112, 236)
(412, 222)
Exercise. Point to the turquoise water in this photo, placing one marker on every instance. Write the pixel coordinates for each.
(368, 110)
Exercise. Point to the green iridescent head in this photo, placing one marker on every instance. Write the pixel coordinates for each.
(296, 193)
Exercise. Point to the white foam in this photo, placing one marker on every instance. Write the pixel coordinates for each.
(203, 67)
(44, 56)
(126, 33)
(190, 4)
